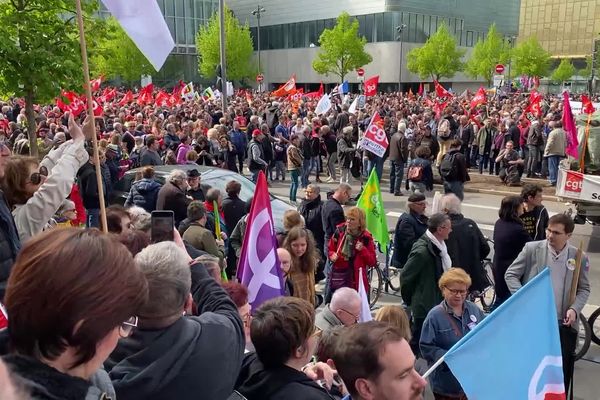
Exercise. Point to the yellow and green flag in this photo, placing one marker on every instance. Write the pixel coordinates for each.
(371, 203)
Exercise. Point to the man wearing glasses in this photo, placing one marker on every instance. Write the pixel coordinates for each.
(560, 257)
(344, 310)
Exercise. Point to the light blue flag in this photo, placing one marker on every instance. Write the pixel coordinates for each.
(345, 87)
(517, 346)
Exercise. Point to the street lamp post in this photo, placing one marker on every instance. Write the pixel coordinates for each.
(259, 10)
(511, 42)
(223, 58)
(399, 29)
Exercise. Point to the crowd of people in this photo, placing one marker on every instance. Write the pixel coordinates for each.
(133, 318)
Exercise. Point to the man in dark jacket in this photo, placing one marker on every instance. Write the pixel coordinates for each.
(311, 210)
(88, 186)
(9, 237)
(535, 216)
(454, 171)
(195, 190)
(410, 227)
(149, 154)
(398, 157)
(173, 355)
(172, 195)
(234, 209)
(466, 136)
(467, 246)
(144, 192)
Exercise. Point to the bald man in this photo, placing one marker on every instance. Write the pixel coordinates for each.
(344, 309)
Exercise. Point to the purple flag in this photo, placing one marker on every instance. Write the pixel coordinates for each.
(569, 127)
(258, 268)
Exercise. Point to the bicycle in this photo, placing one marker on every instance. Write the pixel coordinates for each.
(594, 323)
(584, 338)
(487, 296)
(388, 276)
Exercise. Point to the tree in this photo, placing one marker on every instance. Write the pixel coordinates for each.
(438, 57)
(39, 51)
(238, 49)
(116, 55)
(529, 58)
(342, 50)
(487, 54)
(564, 71)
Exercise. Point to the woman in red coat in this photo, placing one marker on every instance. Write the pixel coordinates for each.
(351, 249)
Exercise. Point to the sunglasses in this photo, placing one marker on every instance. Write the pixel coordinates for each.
(37, 177)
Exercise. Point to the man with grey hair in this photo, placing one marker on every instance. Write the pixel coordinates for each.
(398, 158)
(344, 310)
(345, 153)
(173, 355)
(172, 195)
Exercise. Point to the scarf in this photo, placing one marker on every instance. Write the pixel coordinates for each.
(208, 205)
(347, 244)
(446, 261)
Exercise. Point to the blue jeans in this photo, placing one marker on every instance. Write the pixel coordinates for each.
(93, 218)
(377, 163)
(456, 187)
(553, 162)
(483, 162)
(255, 175)
(294, 186)
(396, 174)
(306, 168)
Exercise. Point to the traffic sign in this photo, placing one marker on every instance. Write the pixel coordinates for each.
(360, 71)
(498, 80)
(260, 78)
(499, 68)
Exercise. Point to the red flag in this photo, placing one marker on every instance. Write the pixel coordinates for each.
(479, 98)
(321, 90)
(371, 86)
(375, 140)
(178, 88)
(71, 96)
(128, 98)
(410, 94)
(287, 88)
(3, 317)
(145, 95)
(161, 99)
(77, 106)
(569, 127)
(108, 95)
(98, 110)
(429, 103)
(95, 84)
(440, 91)
(587, 105)
(534, 108)
(60, 104)
(297, 95)
(420, 91)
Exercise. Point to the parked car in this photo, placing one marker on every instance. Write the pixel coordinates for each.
(210, 177)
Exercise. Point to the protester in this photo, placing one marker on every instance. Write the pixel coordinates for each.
(344, 310)
(237, 236)
(453, 169)
(410, 227)
(427, 261)
(174, 354)
(555, 150)
(285, 261)
(535, 215)
(118, 220)
(311, 209)
(419, 178)
(294, 165)
(256, 155)
(57, 338)
(88, 183)
(291, 220)
(444, 326)
(345, 153)
(510, 237)
(510, 163)
(239, 296)
(398, 158)
(198, 236)
(144, 192)
(305, 257)
(172, 196)
(395, 316)
(195, 190)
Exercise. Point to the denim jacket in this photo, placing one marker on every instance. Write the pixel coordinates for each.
(441, 330)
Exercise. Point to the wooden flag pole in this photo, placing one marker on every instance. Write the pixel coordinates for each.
(90, 111)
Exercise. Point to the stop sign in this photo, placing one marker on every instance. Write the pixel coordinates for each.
(360, 72)
(260, 77)
(499, 68)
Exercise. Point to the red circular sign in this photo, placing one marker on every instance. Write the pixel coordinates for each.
(260, 77)
(360, 72)
(499, 68)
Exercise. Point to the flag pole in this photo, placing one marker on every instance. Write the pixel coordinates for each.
(584, 147)
(90, 111)
(433, 367)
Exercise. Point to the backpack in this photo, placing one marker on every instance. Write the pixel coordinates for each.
(448, 167)
(415, 173)
(444, 130)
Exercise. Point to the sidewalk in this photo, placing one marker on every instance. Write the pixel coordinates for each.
(491, 184)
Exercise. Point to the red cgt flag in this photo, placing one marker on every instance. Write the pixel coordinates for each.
(371, 86)
(287, 88)
(98, 110)
(440, 91)
(95, 84)
(587, 105)
(479, 98)
(145, 95)
(161, 99)
(128, 98)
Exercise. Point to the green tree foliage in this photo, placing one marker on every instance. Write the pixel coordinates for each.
(564, 71)
(238, 49)
(115, 55)
(39, 51)
(438, 57)
(487, 53)
(342, 50)
(530, 58)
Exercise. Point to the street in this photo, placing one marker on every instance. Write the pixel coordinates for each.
(483, 209)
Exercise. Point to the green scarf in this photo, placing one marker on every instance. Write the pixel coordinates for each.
(347, 245)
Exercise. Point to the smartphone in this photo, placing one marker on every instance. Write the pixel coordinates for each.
(162, 226)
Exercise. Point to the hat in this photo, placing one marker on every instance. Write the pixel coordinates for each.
(256, 133)
(67, 205)
(112, 147)
(193, 173)
(415, 198)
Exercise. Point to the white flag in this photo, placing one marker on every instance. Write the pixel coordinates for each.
(352, 108)
(145, 25)
(365, 310)
(323, 105)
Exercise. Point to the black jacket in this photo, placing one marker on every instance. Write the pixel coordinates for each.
(313, 219)
(467, 248)
(332, 214)
(196, 357)
(409, 228)
(509, 239)
(170, 197)
(282, 383)
(460, 172)
(233, 210)
(88, 185)
(9, 243)
(143, 194)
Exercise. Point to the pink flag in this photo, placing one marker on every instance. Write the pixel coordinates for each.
(569, 127)
(258, 268)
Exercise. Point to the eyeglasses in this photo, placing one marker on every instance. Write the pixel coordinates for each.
(37, 177)
(126, 328)
(457, 292)
(352, 315)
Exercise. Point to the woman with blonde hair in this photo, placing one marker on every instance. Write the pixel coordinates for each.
(291, 219)
(305, 257)
(395, 316)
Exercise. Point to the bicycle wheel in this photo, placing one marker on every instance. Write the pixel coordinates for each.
(488, 295)
(584, 338)
(375, 278)
(594, 323)
(394, 278)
